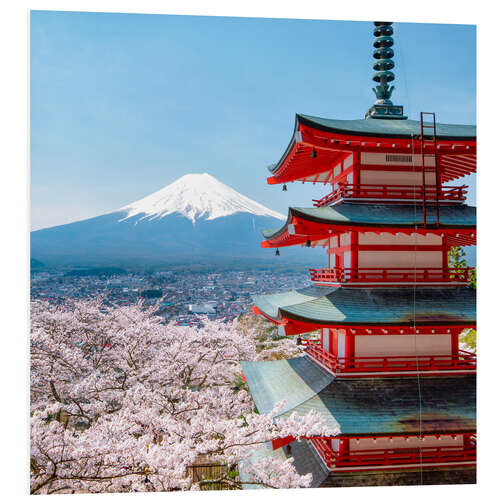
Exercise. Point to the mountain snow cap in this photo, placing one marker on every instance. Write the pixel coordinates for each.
(196, 196)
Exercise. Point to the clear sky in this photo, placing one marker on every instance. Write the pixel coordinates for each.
(124, 104)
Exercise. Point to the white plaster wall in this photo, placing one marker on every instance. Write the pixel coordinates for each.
(345, 239)
(401, 442)
(326, 339)
(402, 345)
(400, 259)
(381, 159)
(347, 259)
(395, 178)
(341, 345)
(348, 161)
(399, 239)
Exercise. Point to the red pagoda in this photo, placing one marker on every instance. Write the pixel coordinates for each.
(388, 369)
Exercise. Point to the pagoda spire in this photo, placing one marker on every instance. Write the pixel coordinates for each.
(383, 54)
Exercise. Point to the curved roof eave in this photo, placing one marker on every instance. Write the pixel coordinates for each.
(377, 216)
(372, 306)
(398, 129)
(402, 129)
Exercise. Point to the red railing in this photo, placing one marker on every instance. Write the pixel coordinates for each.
(388, 457)
(461, 361)
(392, 275)
(392, 193)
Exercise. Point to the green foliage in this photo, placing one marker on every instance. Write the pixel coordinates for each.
(473, 276)
(469, 337)
(279, 337)
(456, 260)
(239, 383)
(456, 257)
(233, 474)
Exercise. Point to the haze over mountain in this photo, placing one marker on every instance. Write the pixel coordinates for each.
(195, 219)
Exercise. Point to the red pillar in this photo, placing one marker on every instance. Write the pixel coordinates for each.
(349, 344)
(356, 165)
(354, 252)
(454, 342)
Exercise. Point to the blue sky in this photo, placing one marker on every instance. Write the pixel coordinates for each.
(124, 104)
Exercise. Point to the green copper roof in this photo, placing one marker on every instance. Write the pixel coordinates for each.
(361, 406)
(305, 461)
(387, 128)
(372, 306)
(295, 380)
(380, 215)
(391, 405)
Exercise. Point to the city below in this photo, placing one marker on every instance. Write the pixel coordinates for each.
(185, 297)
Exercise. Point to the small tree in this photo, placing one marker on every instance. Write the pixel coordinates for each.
(456, 260)
(456, 257)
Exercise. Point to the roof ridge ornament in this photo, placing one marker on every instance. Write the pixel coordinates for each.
(383, 53)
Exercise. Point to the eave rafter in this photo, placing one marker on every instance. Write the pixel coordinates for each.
(313, 152)
(294, 326)
(299, 231)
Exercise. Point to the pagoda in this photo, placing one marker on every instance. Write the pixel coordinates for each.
(387, 369)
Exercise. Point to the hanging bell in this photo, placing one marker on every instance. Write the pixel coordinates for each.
(277, 253)
(314, 154)
(284, 187)
(308, 243)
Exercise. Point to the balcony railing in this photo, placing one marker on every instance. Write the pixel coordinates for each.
(336, 275)
(392, 193)
(463, 361)
(394, 457)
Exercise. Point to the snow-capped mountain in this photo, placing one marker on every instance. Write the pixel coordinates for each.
(197, 196)
(195, 219)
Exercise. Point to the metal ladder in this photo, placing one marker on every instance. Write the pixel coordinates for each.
(430, 140)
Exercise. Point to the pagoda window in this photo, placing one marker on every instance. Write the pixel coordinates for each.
(404, 345)
(399, 259)
(402, 442)
(393, 177)
(396, 160)
(370, 238)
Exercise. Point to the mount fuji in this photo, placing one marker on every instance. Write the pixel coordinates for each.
(195, 219)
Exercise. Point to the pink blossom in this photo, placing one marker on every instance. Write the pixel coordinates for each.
(122, 401)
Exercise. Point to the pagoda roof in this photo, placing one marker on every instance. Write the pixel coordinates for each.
(391, 306)
(318, 222)
(332, 141)
(403, 129)
(296, 380)
(369, 406)
(305, 460)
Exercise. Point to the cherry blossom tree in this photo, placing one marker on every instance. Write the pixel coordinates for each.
(269, 345)
(122, 401)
